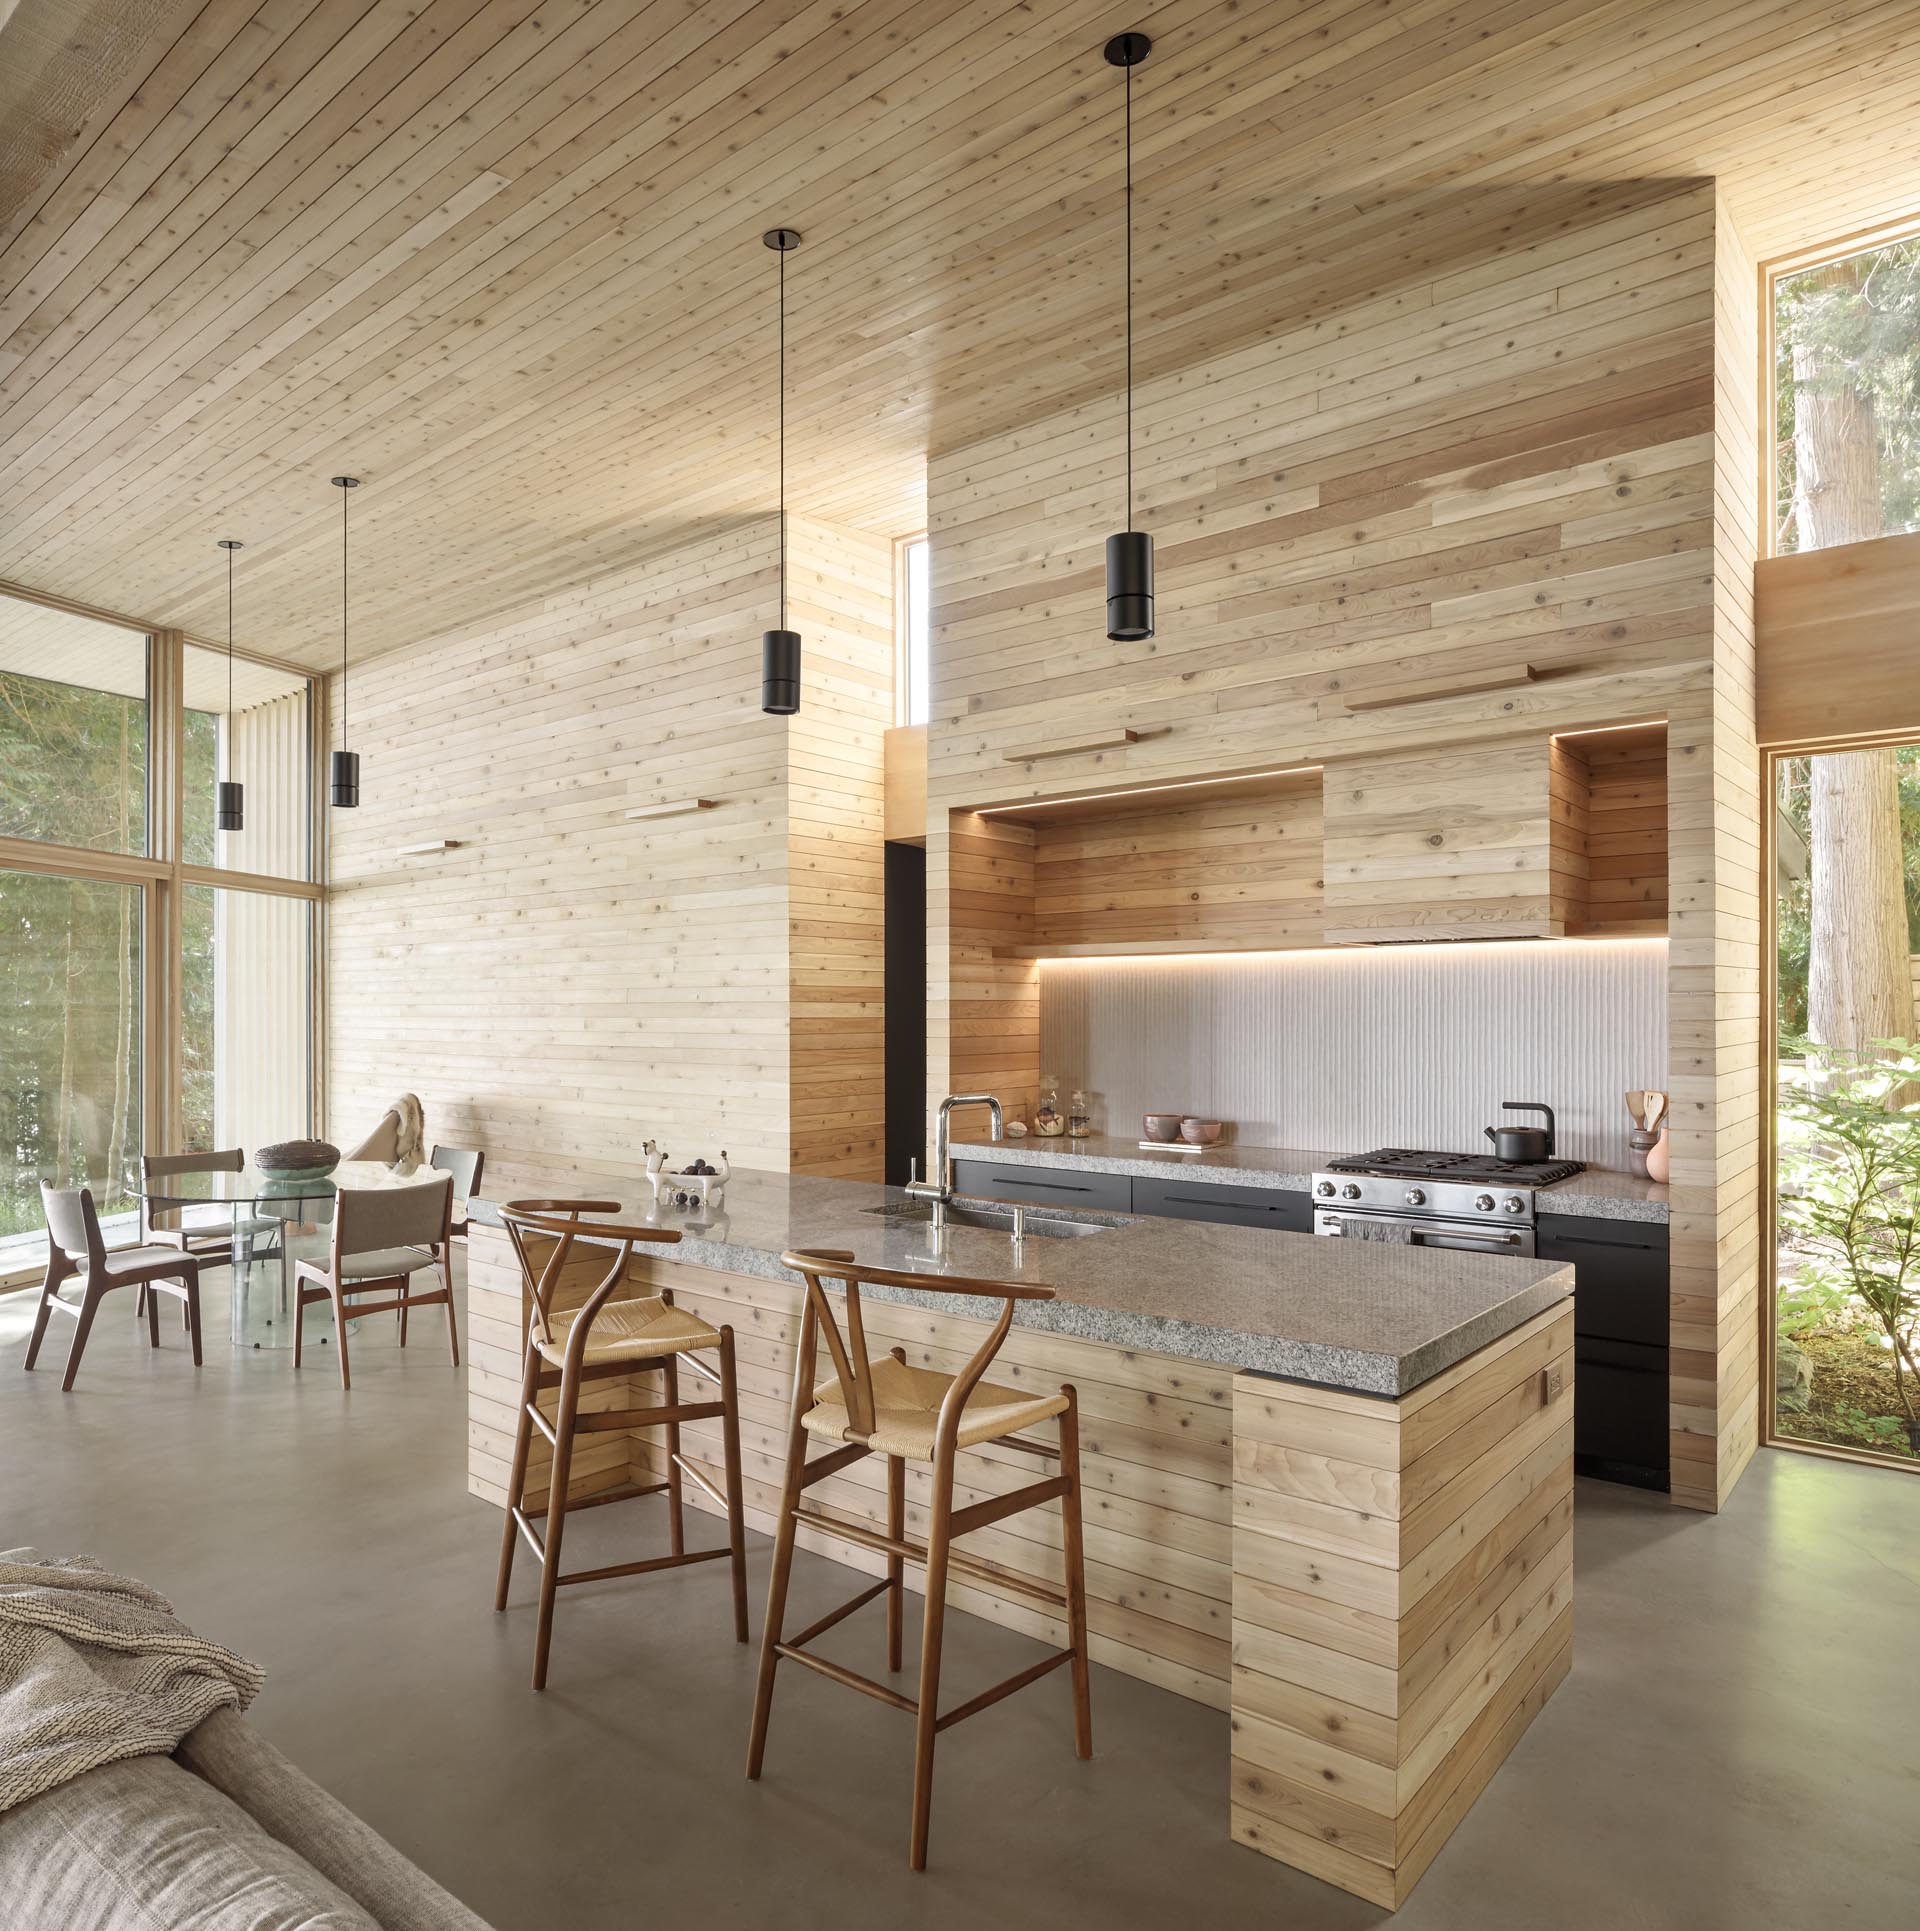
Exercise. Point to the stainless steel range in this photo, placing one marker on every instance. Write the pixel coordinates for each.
(1420, 1199)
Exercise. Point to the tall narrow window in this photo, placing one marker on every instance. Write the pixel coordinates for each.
(1847, 399)
(913, 622)
(71, 1046)
(74, 734)
(1847, 1138)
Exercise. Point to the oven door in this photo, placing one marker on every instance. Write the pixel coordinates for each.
(1469, 1236)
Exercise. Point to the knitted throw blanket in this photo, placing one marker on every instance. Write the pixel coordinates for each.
(95, 1667)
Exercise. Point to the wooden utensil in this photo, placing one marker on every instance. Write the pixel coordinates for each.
(1656, 1107)
(1636, 1107)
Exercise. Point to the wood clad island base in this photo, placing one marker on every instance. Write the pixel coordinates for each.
(1377, 1590)
(1402, 1602)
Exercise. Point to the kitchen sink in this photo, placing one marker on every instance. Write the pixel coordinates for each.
(1042, 1223)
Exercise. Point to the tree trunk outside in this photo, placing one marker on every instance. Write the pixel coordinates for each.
(1859, 980)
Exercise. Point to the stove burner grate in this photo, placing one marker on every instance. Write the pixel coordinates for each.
(1412, 1163)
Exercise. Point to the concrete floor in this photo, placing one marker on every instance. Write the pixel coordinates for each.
(1739, 1742)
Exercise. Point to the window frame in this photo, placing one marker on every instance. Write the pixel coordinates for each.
(162, 873)
(1770, 272)
(902, 619)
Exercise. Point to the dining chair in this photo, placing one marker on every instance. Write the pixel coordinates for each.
(602, 1339)
(883, 1406)
(205, 1239)
(75, 1245)
(466, 1165)
(382, 1236)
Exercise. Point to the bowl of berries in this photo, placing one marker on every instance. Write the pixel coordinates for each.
(698, 1185)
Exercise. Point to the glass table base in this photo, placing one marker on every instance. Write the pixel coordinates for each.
(263, 1310)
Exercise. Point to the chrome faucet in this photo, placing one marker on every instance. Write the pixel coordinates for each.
(939, 1187)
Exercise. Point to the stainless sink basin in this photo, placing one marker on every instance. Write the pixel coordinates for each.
(1042, 1223)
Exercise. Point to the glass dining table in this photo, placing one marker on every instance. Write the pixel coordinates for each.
(272, 1221)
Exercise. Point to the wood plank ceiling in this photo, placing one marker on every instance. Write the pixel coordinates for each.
(501, 257)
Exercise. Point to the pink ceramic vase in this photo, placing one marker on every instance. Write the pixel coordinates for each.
(1657, 1159)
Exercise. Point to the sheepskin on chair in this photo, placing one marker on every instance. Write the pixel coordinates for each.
(401, 1137)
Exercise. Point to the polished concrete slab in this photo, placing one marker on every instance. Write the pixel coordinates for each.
(1738, 1744)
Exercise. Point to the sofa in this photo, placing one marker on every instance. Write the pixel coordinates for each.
(223, 1835)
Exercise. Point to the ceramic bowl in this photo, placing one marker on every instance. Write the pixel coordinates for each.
(1164, 1127)
(1200, 1133)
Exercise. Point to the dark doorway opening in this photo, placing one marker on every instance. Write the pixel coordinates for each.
(906, 990)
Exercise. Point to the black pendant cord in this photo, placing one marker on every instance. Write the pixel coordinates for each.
(1130, 549)
(343, 617)
(229, 795)
(1129, 257)
(780, 647)
(345, 763)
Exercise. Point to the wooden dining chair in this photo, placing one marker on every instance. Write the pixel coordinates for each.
(382, 1236)
(466, 1164)
(601, 1339)
(209, 1240)
(882, 1406)
(75, 1245)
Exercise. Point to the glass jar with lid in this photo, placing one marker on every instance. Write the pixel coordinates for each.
(1048, 1121)
(1079, 1117)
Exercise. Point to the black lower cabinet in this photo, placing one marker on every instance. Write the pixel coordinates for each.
(1282, 1210)
(1043, 1186)
(1620, 1303)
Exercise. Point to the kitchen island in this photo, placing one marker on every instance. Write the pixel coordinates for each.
(1328, 1484)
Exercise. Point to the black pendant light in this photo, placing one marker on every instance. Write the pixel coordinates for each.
(1129, 551)
(229, 795)
(345, 765)
(780, 649)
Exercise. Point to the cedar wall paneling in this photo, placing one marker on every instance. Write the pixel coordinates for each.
(1716, 923)
(1219, 873)
(566, 983)
(840, 588)
(1838, 640)
(1535, 458)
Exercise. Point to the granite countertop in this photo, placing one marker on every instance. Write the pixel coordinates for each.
(1600, 1193)
(1372, 1318)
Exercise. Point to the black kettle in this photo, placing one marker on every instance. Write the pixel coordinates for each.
(1523, 1142)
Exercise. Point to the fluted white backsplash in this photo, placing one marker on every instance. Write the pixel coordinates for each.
(1344, 1050)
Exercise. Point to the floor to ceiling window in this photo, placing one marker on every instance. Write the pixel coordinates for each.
(155, 972)
(1845, 834)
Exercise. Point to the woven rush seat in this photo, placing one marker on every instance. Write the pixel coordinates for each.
(906, 1409)
(638, 1347)
(630, 1331)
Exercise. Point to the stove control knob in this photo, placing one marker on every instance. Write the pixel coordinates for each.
(1350, 1191)
(1514, 1204)
(1484, 1202)
(1416, 1197)
(1325, 1189)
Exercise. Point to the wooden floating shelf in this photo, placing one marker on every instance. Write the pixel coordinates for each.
(1424, 690)
(671, 810)
(427, 845)
(1110, 741)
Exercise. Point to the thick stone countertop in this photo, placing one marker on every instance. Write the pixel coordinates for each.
(1371, 1318)
(1600, 1193)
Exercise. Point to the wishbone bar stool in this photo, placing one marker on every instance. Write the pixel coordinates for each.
(884, 1407)
(603, 1339)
